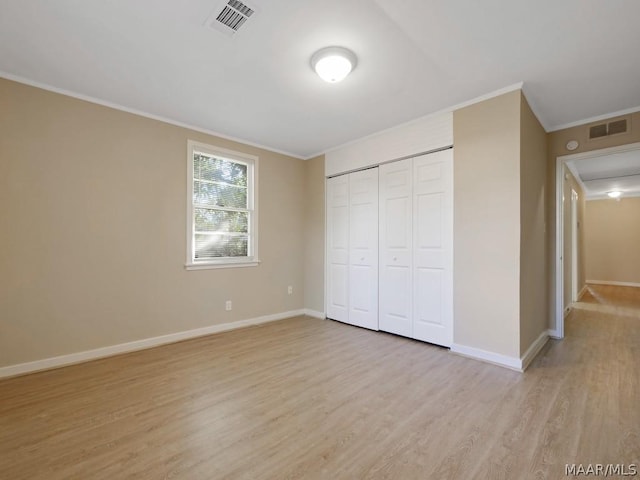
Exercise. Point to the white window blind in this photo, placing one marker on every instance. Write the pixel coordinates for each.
(222, 207)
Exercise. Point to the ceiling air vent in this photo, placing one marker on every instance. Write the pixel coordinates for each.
(605, 129)
(230, 16)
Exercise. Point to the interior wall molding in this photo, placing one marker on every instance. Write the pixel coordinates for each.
(554, 334)
(597, 118)
(583, 290)
(618, 284)
(315, 314)
(143, 344)
(512, 363)
(534, 349)
(140, 113)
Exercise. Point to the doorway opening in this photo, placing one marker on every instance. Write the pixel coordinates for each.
(593, 174)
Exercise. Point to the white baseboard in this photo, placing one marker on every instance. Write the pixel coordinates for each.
(512, 363)
(534, 349)
(618, 284)
(555, 334)
(314, 313)
(582, 292)
(79, 357)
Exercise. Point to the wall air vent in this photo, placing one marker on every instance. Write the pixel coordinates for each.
(615, 127)
(619, 126)
(230, 16)
(598, 131)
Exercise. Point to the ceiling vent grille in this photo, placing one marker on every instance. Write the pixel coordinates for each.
(605, 129)
(230, 16)
(598, 131)
(619, 126)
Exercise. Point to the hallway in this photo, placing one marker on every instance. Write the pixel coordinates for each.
(602, 348)
(611, 296)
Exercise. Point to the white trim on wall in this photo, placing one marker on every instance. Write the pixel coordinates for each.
(582, 291)
(596, 118)
(618, 284)
(448, 110)
(512, 363)
(559, 307)
(140, 113)
(554, 334)
(122, 108)
(534, 349)
(315, 314)
(80, 357)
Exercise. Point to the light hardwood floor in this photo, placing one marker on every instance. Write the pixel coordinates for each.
(306, 398)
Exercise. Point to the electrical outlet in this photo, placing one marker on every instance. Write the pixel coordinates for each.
(289, 289)
(228, 305)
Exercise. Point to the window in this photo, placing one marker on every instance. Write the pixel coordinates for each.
(222, 217)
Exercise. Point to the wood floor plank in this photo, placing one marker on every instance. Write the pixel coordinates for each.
(306, 398)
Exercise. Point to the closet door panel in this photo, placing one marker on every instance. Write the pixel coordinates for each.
(432, 252)
(429, 309)
(363, 248)
(338, 248)
(395, 247)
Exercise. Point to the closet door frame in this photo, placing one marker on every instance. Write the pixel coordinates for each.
(445, 319)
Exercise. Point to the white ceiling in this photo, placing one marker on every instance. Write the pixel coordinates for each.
(601, 174)
(577, 58)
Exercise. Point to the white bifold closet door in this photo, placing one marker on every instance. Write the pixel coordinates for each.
(396, 240)
(416, 247)
(352, 248)
(433, 248)
(338, 248)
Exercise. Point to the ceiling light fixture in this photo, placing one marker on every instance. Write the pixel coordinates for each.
(615, 194)
(333, 64)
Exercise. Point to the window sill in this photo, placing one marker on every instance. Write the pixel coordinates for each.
(209, 266)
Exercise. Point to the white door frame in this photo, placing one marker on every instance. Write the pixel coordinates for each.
(558, 330)
(574, 245)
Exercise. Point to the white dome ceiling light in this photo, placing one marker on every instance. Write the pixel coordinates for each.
(333, 64)
(614, 194)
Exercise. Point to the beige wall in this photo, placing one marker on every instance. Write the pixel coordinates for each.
(556, 142)
(93, 230)
(533, 252)
(92, 227)
(487, 225)
(612, 240)
(314, 235)
(570, 183)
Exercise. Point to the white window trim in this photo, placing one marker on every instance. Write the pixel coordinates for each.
(227, 262)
